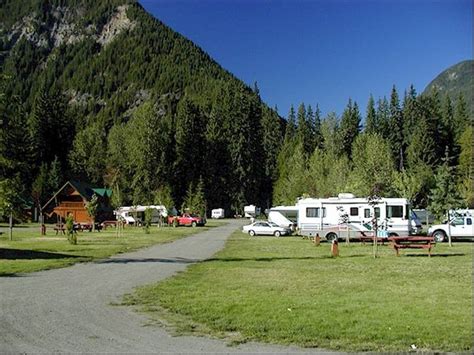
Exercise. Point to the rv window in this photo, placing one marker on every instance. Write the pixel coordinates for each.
(366, 213)
(313, 212)
(354, 211)
(394, 211)
(377, 212)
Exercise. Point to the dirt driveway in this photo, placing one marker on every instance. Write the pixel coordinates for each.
(70, 310)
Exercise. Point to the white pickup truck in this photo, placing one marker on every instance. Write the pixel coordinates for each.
(459, 227)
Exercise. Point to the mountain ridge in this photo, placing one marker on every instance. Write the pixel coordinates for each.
(455, 80)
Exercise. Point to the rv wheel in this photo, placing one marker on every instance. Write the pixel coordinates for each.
(331, 236)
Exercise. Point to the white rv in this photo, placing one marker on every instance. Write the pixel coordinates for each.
(217, 213)
(284, 216)
(251, 211)
(319, 215)
(135, 214)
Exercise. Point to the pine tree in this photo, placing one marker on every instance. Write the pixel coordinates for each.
(350, 127)
(383, 117)
(303, 130)
(290, 131)
(371, 124)
(461, 116)
(410, 116)
(444, 195)
(396, 130)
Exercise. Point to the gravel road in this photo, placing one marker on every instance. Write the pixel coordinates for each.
(69, 310)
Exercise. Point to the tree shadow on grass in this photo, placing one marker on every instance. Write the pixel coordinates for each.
(24, 254)
(445, 255)
(277, 258)
(176, 260)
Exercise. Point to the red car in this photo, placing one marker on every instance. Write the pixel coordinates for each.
(186, 220)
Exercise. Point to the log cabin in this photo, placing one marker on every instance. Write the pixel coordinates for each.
(72, 198)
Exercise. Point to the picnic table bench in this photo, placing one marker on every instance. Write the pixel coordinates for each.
(106, 224)
(409, 242)
(60, 228)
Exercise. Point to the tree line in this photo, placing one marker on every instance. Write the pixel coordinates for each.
(418, 147)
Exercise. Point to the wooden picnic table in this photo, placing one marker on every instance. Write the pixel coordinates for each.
(411, 242)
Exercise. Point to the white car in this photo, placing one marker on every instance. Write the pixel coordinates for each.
(265, 228)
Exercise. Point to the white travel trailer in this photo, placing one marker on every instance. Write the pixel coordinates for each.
(217, 213)
(135, 214)
(284, 216)
(251, 211)
(317, 215)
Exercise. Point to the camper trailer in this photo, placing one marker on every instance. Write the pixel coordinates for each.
(217, 213)
(318, 215)
(135, 214)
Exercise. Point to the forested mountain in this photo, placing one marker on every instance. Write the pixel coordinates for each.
(103, 92)
(457, 79)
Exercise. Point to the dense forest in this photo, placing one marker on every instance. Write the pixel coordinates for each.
(418, 147)
(104, 93)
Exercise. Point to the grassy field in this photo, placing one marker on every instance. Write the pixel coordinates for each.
(287, 291)
(29, 251)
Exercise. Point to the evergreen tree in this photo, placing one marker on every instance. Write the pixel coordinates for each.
(304, 130)
(383, 117)
(290, 131)
(350, 127)
(371, 124)
(410, 116)
(316, 124)
(465, 168)
(396, 130)
(444, 195)
(461, 116)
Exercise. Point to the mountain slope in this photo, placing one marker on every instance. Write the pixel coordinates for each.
(130, 102)
(456, 80)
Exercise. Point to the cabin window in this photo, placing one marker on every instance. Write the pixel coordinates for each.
(468, 221)
(394, 211)
(354, 211)
(313, 212)
(366, 213)
(457, 222)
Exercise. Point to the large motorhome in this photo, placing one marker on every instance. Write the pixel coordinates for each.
(135, 214)
(317, 215)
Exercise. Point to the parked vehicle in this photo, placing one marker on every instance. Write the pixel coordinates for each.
(315, 215)
(136, 214)
(460, 226)
(251, 211)
(217, 213)
(284, 216)
(186, 219)
(265, 228)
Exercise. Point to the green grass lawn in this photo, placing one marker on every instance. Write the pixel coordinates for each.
(287, 291)
(29, 251)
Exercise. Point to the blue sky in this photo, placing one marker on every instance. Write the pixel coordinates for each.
(325, 52)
